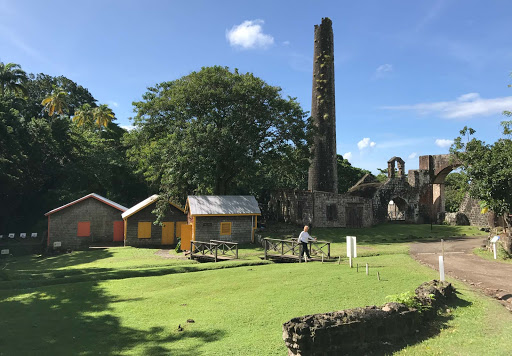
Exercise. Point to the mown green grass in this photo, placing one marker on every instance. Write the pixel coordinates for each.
(235, 311)
(501, 254)
(237, 307)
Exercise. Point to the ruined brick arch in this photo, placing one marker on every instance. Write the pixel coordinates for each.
(438, 167)
(397, 209)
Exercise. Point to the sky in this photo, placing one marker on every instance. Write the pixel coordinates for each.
(409, 74)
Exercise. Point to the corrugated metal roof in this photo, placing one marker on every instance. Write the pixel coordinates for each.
(146, 202)
(139, 206)
(222, 205)
(92, 195)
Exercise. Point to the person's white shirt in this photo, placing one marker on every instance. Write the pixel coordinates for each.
(305, 237)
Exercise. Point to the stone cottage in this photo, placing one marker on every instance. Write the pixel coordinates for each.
(222, 217)
(140, 229)
(89, 220)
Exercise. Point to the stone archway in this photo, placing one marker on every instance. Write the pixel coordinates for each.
(438, 167)
(397, 209)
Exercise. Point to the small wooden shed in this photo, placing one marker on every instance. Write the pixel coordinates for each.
(140, 230)
(222, 217)
(85, 221)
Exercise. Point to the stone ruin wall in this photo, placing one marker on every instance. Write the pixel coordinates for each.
(355, 331)
(310, 208)
(472, 210)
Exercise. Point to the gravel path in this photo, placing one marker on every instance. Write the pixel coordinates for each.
(493, 278)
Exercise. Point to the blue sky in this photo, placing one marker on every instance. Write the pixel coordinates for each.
(409, 74)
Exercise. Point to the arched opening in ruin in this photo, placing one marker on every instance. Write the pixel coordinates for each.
(397, 208)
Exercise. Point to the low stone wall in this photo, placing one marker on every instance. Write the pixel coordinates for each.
(354, 331)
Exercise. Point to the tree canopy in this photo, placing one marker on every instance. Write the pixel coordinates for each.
(46, 161)
(489, 170)
(218, 131)
(348, 175)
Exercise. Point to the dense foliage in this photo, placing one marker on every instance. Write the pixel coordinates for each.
(47, 160)
(456, 187)
(218, 131)
(348, 175)
(489, 169)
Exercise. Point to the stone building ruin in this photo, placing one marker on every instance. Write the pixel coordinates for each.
(415, 197)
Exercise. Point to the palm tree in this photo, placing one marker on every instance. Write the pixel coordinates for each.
(103, 115)
(84, 115)
(12, 79)
(56, 102)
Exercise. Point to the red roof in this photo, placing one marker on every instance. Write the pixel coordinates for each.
(92, 195)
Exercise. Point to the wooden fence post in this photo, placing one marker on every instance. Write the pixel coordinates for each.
(265, 248)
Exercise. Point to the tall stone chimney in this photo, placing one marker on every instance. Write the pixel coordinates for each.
(323, 174)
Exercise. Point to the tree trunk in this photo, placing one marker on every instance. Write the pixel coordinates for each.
(507, 239)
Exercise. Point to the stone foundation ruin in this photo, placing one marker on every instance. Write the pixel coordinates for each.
(355, 331)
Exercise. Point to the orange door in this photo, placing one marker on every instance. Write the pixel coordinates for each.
(118, 230)
(186, 236)
(168, 233)
(179, 224)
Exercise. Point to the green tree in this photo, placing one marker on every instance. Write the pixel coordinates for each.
(456, 186)
(12, 79)
(218, 132)
(84, 116)
(56, 102)
(348, 175)
(489, 169)
(103, 115)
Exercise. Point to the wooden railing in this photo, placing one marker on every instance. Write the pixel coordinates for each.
(227, 248)
(292, 247)
(214, 249)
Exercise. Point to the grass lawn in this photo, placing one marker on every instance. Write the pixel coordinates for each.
(501, 255)
(236, 311)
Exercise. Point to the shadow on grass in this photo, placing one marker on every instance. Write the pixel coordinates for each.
(80, 319)
(379, 234)
(430, 329)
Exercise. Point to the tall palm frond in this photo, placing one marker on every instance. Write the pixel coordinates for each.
(56, 102)
(12, 79)
(103, 115)
(84, 116)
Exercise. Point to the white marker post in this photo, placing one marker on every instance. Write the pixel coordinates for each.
(494, 240)
(351, 246)
(441, 268)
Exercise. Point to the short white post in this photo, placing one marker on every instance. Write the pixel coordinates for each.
(350, 261)
(441, 268)
(494, 240)
(351, 246)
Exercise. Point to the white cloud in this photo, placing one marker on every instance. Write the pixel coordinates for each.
(348, 156)
(465, 106)
(286, 43)
(383, 69)
(365, 142)
(127, 127)
(249, 35)
(413, 155)
(113, 103)
(443, 143)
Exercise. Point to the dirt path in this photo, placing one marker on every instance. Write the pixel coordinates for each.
(493, 278)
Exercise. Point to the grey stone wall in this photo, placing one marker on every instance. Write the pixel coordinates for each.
(358, 331)
(146, 215)
(311, 208)
(208, 228)
(471, 209)
(64, 224)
